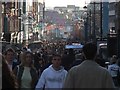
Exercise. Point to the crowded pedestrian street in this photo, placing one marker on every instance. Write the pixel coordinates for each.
(59, 44)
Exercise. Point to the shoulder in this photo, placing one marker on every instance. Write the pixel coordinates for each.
(113, 66)
(46, 71)
(103, 68)
(65, 71)
(110, 65)
(33, 68)
(73, 69)
(105, 71)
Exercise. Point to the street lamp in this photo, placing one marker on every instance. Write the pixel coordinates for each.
(94, 33)
(24, 13)
(5, 20)
(87, 24)
(101, 30)
(6, 35)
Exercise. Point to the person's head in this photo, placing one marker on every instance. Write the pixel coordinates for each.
(113, 59)
(28, 57)
(9, 55)
(90, 50)
(56, 60)
(71, 51)
(79, 56)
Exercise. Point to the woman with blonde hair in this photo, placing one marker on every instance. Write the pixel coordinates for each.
(26, 73)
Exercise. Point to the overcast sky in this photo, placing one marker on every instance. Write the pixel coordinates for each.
(80, 3)
(53, 3)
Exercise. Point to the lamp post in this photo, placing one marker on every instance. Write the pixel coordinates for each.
(44, 20)
(101, 31)
(24, 13)
(87, 24)
(19, 17)
(5, 25)
(6, 35)
(94, 33)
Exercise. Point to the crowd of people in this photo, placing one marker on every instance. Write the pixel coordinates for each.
(52, 66)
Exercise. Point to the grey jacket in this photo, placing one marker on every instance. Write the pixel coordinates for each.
(88, 75)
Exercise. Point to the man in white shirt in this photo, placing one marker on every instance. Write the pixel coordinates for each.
(53, 76)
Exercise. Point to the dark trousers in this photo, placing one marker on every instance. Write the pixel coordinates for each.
(115, 80)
